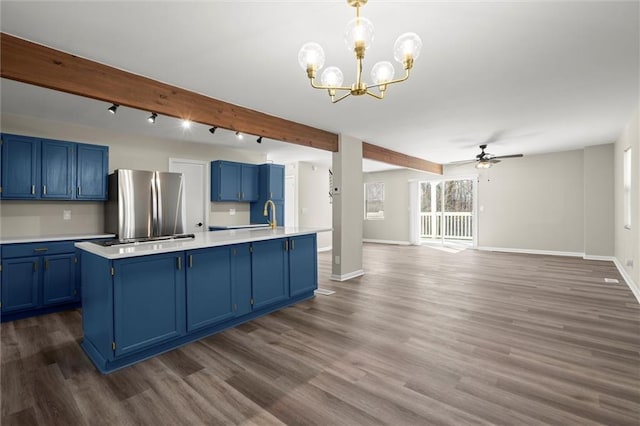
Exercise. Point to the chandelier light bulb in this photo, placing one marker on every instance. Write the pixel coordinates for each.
(382, 72)
(332, 77)
(311, 54)
(358, 29)
(408, 45)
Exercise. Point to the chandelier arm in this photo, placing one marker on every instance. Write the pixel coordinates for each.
(340, 98)
(397, 80)
(381, 96)
(320, 86)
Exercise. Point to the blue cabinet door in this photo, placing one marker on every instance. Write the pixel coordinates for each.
(270, 283)
(58, 169)
(276, 182)
(20, 167)
(225, 181)
(59, 279)
(209, 289)
(148, 301)
(92, 172)
(303, 264)
(241, 278)
(20, 278)
(249, 179)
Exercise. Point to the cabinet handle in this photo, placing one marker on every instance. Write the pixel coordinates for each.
(35, 266)
(293, 244)
(190, 261)
(79, 190)
(286, 245)
(46, 265)
(44, 189)
(271, 195)
(243, 195)
(33, 190)
(179, 263)
(40, 249)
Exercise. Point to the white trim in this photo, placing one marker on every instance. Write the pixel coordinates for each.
(327, 248)
(397, 243)
(593, 257)
(345, 277)
(627, 278)
(529, 251)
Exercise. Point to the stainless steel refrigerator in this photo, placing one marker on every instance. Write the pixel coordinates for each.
(144, 205)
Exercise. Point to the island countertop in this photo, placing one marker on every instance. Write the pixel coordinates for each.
(201, 240)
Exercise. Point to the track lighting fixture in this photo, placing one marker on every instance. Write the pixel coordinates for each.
(259, 140)
(152, 118)
(113, 108)
(213, 129)
(239, 135)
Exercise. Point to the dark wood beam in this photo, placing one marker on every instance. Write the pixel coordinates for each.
(31, 63)
(384, 155)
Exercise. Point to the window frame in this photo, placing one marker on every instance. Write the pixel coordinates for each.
(626, 187)
(366, 200)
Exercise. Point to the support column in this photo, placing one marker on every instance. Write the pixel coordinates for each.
(348, 209)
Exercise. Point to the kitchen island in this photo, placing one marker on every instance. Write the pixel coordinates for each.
(139, 300)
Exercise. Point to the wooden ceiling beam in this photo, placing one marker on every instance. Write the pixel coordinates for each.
(384, 155)
(32, 63)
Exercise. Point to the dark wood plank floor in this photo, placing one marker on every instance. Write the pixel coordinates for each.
(426, 337)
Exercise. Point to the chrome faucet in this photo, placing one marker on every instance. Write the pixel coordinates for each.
(273, 223)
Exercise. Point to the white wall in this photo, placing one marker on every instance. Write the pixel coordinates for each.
(598, 200)
(314, 203)
(627, 241)
(24, 218)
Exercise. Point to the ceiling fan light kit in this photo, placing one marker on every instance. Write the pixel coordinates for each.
(358, 37)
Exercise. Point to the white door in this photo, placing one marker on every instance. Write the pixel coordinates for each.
(195, 192)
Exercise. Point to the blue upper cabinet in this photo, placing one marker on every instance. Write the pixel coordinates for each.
(92, 171)
(272, 182)
(34, 168)
(231, 181)
(58, 169)
(20, 167)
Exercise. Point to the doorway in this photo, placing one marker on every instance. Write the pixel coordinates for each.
(194, 203)
(448, 211)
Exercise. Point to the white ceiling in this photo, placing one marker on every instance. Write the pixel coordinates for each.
(524, 76)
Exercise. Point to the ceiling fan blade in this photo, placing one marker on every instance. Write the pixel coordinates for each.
(510, 156)
(493, 161)
(461, 162)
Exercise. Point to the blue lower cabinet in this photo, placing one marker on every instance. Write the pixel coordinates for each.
(270, 281)
(209, 288)
(303, 268)
(59, 279)
(241, 277)
(149, 305)
(20, 278)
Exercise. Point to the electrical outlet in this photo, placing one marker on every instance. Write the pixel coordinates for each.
(66, 215)
(337, 260)
(630, 263)
(232, 212)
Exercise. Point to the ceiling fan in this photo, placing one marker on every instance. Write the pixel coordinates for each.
(484, 160)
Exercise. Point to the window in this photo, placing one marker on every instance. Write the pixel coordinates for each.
(374, 200)
(627, 188)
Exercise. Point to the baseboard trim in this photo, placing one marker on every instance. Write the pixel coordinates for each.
(321, 249)
(397, 243)
(345, 277)
(593, 257)
(627, 278)
(530, 251)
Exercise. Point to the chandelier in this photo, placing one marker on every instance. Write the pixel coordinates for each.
(358, 37)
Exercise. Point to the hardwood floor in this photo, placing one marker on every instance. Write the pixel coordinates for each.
(426, 337)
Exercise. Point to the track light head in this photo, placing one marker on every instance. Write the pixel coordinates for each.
(113, 108)
(152, 118)
(259, 140)
(239, 135)
(213, 129)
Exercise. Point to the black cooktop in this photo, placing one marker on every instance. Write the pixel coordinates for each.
(116, 241)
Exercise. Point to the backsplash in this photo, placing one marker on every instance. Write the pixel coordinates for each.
(37, 218)
(229, 213)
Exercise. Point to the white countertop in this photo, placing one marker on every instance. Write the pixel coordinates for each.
(57, 237)
(201, 240)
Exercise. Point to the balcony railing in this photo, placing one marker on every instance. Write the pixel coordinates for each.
(457, 225)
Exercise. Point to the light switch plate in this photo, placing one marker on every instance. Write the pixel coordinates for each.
(66, 215)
